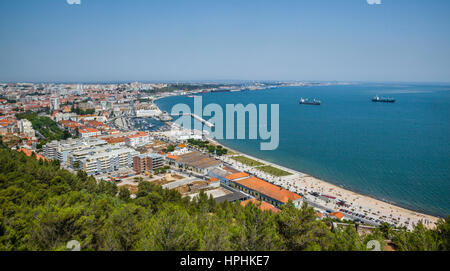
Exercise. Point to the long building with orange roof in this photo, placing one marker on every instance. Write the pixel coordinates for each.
(266, 191)
(120, 141)
(236, 177)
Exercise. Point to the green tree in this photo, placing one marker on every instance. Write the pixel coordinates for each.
(172, 229)
(420, 239)
(124, 194)
(300, 229)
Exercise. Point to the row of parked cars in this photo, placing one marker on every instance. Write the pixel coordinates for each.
(360, 217)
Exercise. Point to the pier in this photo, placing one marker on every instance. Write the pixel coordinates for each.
(205, 122)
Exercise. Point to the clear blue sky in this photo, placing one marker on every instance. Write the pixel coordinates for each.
(117, 40)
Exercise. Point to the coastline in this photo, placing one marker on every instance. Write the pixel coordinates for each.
(311, 183)
(308, 183)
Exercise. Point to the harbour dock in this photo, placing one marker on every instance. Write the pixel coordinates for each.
(205, 122)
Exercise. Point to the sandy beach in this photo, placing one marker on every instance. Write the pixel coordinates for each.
(304, 183)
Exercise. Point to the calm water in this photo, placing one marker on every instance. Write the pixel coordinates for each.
(398, 152)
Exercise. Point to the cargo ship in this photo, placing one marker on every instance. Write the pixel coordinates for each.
(377, 99)
(313, 102)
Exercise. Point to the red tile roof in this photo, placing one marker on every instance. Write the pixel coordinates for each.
(337, 214)
(173, 157)
(114, 140)
(139, 134)
(88, 130)
(237, 175)
(264, 206)
(29, 152)
(268, 189)
(212, 180)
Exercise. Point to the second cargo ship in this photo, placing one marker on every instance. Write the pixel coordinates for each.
(377, 99)
(307, 101)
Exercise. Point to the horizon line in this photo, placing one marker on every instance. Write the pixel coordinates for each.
(214, 81)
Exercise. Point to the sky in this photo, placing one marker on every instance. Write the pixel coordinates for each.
(157, 40)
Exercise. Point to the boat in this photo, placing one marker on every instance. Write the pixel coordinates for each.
(377, 99)
(308, 102)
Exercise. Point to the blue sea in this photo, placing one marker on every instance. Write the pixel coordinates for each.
(399, 153)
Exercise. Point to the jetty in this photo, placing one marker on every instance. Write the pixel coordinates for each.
(205, 122)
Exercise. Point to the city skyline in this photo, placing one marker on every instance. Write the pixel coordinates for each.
(125, 41)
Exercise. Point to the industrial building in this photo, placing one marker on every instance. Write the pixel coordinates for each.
(195, 161)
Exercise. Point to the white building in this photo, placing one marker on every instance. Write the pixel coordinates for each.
(63, 150)
(54, 104)
(139, 139)
(141, 113)
(108, 160)
(92, 117)
(65, 116)
(178, 133)
(25, 127)
(89, 132)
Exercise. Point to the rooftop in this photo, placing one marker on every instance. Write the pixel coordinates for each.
(198, 160)
(237, 175)
(139, 134)
(29, 153)
(337, 214)
(264, 206)
(114, 140)
(88, 130)
(268, 189)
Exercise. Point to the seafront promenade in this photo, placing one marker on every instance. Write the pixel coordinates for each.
(374, 211)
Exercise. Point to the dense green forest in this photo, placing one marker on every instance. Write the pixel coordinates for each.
(45, 126)
(43, 207)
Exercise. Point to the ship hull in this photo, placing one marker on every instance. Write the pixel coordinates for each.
(383, 101)
(310, 103)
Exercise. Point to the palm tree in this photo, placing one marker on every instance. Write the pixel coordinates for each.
(387, 230)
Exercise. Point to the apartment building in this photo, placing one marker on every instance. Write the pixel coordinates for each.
(139, 139)
(62, 150)
(25, 127)
(108, 161)
(89, 132)
(54, 104)
(147, 162)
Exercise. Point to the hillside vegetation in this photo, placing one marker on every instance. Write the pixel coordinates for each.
(43, 207)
